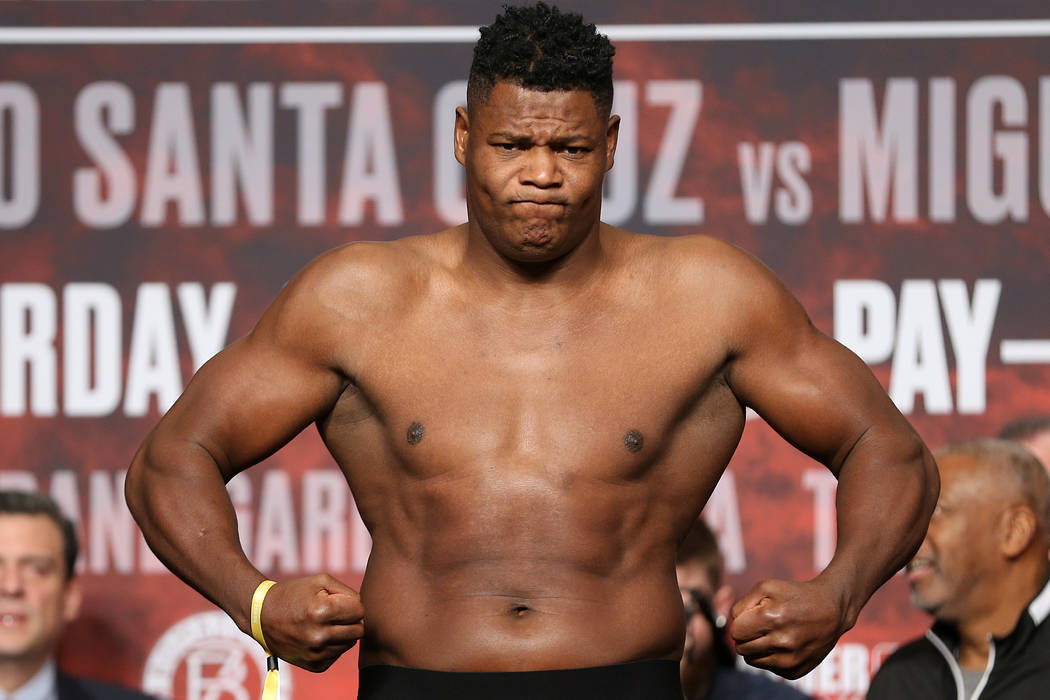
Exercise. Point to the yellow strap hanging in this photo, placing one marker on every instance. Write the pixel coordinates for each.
(272, 685)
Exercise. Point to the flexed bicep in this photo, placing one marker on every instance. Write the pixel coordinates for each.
(811, 389)
(249, 400)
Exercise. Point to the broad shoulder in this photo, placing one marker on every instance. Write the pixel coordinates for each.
(341, 296)
(363, 281)
(718, 280)
(76, 688)
(376, 271)
(699, 261)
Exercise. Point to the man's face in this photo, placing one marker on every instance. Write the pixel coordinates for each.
(36, 600)
(960, 552)
(535, 163)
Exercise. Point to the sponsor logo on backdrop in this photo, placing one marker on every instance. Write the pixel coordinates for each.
(205, 657)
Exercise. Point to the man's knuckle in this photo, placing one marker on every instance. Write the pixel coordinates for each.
(318, 612)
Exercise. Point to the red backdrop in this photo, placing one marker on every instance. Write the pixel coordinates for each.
(155, 195)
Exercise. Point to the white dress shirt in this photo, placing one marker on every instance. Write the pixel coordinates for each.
(42, 686)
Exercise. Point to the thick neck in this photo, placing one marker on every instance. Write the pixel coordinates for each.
(571, 272)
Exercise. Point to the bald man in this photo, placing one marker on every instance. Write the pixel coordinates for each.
(982, 573)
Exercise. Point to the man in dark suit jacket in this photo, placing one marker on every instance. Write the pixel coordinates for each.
(39, 595)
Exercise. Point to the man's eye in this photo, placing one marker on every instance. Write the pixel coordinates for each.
(507, 146)
(39, 568)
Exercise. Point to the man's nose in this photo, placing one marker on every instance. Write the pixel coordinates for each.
(12, 584)
(541, 168)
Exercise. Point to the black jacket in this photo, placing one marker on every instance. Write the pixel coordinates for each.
(72, 688)
(1018, 664)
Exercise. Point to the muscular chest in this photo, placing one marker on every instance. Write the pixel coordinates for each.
(607, 390)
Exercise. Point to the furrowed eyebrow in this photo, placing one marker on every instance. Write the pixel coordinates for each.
(578, 140)
(569, 140)
(508, 136)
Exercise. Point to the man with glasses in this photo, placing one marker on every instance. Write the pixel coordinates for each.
(708, 665)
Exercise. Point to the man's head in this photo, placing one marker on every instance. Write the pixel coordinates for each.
(536, 137)
(38, 592)
(699, 569)
(1034, 433)
(990, 526)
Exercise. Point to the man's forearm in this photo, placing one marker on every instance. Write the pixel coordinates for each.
(888, 486)
(178, 497)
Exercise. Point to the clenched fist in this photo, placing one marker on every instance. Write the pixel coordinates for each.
(311, 621)
(788, 627)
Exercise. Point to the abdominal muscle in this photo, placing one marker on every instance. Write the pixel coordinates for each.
(507, 613)
(522, 550)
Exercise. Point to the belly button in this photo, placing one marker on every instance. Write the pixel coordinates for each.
(519, 610)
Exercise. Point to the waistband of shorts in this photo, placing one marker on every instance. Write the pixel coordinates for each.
(637, 680)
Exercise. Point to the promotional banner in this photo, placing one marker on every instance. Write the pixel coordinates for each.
(165, 168)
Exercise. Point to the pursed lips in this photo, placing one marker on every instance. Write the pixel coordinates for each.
(538, 208)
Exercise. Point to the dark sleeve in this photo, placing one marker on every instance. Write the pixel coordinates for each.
(71, 688)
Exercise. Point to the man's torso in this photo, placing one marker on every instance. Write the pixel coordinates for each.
(525, 464)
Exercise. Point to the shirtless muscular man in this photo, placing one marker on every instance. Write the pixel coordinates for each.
(531, 409)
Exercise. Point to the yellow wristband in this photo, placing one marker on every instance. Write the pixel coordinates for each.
(272, 684)
(257, 602)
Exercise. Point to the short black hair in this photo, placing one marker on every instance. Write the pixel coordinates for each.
(539, 47)
(34, 503)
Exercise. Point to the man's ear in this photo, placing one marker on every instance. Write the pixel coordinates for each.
(71, 600)
(462, 133)
(1017, 528)
(612, 135)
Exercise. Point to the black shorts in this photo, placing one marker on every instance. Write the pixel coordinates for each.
(639, 680)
